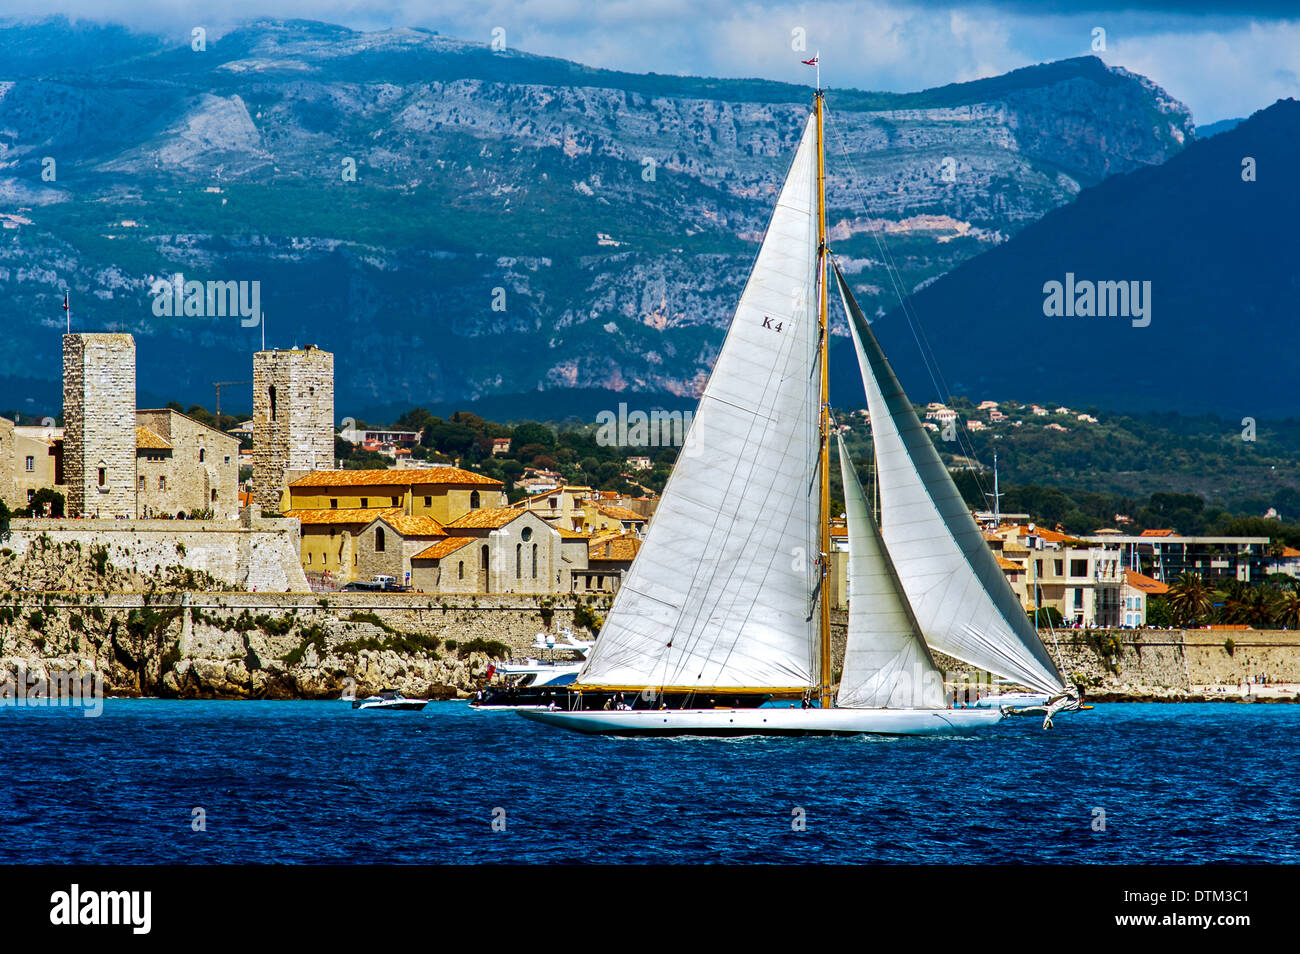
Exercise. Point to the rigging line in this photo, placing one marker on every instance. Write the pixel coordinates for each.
(930, 361)
(963, 443)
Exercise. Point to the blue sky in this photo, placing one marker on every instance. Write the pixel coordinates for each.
(1222, 59)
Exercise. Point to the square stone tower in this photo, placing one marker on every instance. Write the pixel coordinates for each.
(99, 425)
(293, 419)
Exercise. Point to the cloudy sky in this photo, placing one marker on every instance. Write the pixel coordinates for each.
(1224, 59)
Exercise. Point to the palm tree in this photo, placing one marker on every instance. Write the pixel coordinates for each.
(1190, 599)
(1262, 604)
(1235, 598)
(1286, 611)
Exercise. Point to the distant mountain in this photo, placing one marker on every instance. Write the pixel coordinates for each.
(1213, 129)
(517, 224)
(1218, 252)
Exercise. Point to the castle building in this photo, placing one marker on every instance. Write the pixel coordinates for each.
(293, 420)
(184, 467)
(99, 439)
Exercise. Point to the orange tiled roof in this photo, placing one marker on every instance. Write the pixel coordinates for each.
(393, 478)
(1290, 552)
(619, 513)
(1156, 533)
(1006, 564)
(414, 526)
(443, 548)
(338, 517)
(1144, 583)
(1055, 536)
(146, 439)
(490, 517)
(624, 546)
(566, 534)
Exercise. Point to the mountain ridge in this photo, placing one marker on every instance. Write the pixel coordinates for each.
(226, 165)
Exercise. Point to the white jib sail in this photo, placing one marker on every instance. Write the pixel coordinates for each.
(721, 592)
(886, 661)
(964, 604)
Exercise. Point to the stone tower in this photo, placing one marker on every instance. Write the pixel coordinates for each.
(293, 419)
(99, 425)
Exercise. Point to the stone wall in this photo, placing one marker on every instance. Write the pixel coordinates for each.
(99, 425)
(261, 553)
(8, 465)
(293, 419)
(1160, 663)
(262, 645)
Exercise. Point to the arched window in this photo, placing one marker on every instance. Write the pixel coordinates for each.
(519, 560)
(203, 454)
(270, 393)
(483, 558)
(534, 561)
(379, 539)
(460, 570)
(473, 500)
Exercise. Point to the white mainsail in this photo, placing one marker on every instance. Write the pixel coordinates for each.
(964, 604)
(721, 592)
(886, 661)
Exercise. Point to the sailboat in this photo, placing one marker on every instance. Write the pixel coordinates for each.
(725, 611)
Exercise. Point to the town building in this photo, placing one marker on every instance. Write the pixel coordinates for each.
(1052, 569)
(184, 468)
(564, 506)
(1134, 595)
(601, 518)
(31, 459)
(444, 493)
(328, 547)
(609, 557)
(492, 550)
(1165, 555)
(99, 442)
(386, 545)
(293, 420)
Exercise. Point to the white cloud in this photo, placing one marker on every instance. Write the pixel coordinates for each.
(1221, 65)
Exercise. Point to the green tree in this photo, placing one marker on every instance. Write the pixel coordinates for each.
(1159, 612)
(1191, 600)
(530, 432)
(43, 496)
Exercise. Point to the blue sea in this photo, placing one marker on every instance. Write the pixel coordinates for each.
(316, 782)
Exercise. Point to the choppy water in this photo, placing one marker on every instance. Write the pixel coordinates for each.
(316, 782)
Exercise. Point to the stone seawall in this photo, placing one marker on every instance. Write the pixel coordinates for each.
(1169, 664)
(278, 645)
(259, 553)
(299, 645)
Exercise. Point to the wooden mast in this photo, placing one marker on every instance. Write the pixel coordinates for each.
(823, 339)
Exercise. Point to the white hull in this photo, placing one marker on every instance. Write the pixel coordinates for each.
(763, 721)
(414, 705)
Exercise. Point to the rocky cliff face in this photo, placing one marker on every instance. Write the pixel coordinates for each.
(516, 223)
(181, 634)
